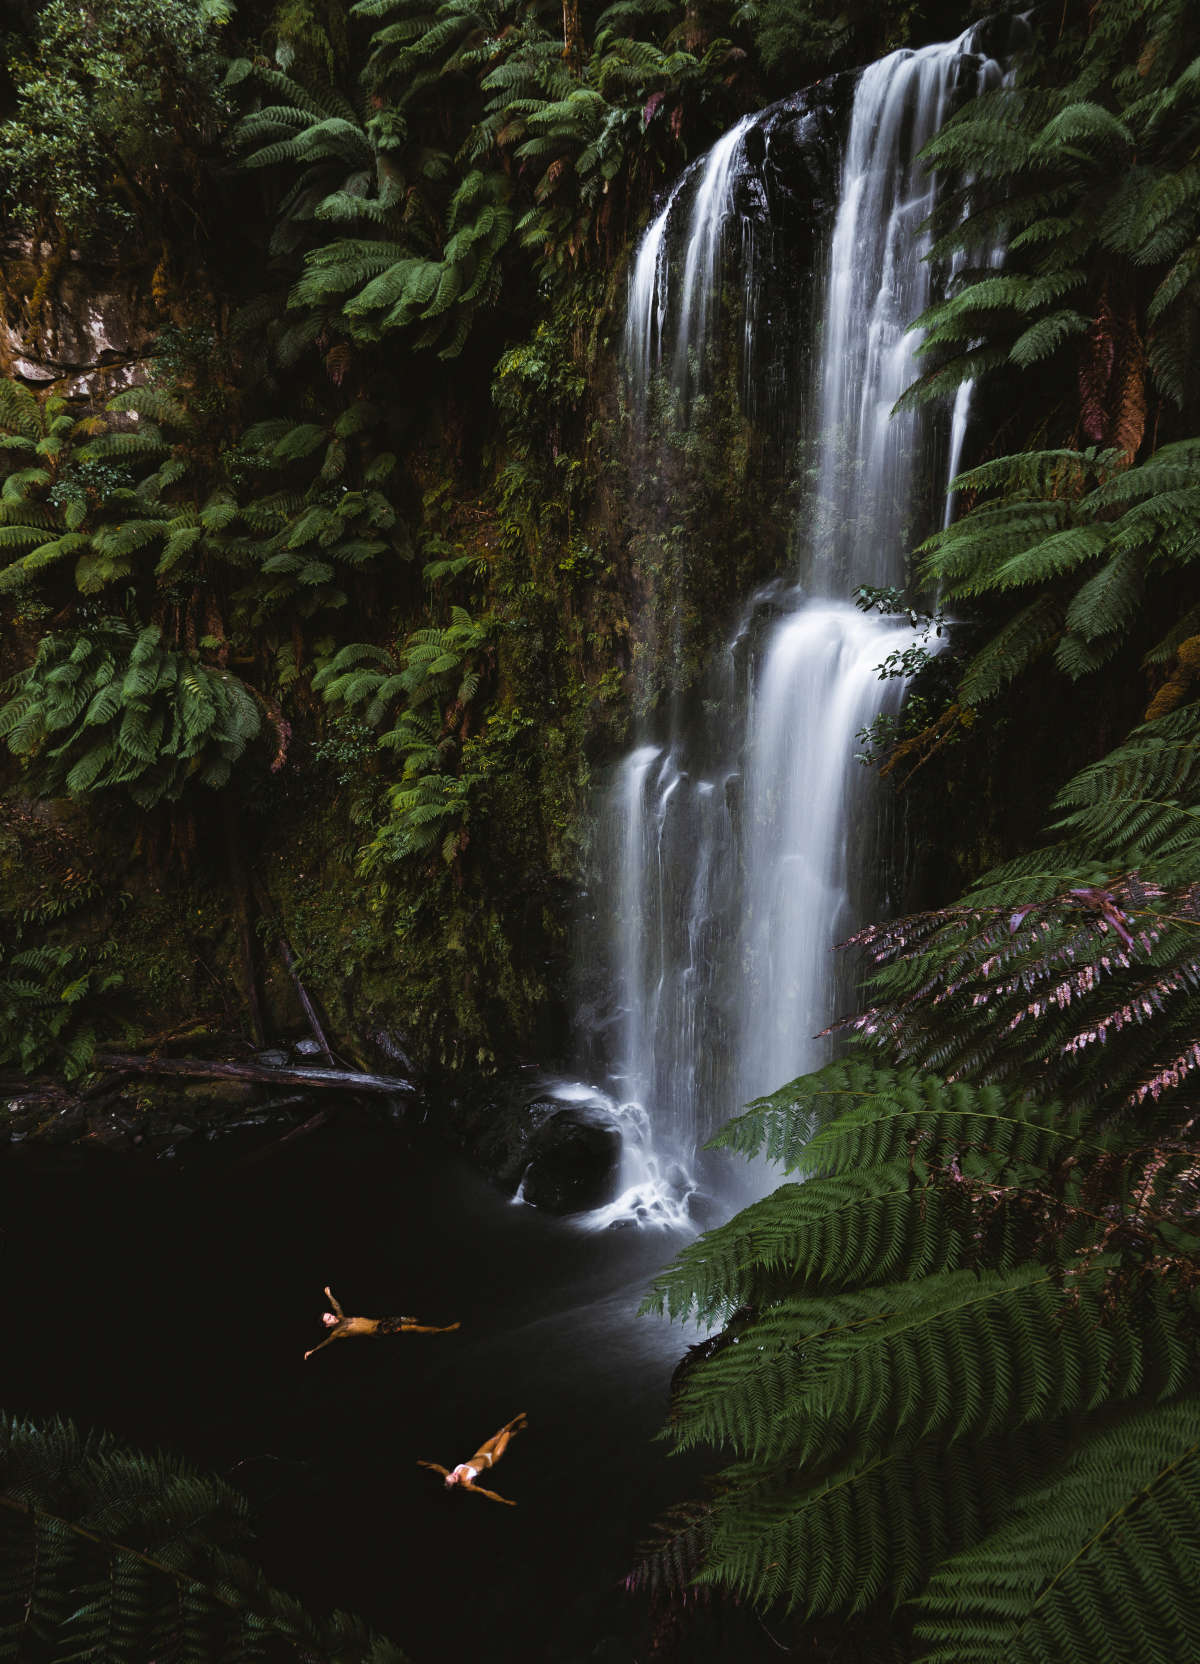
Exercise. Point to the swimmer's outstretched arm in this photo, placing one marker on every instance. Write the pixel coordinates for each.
(478, 1490)
(336, 1335)
(333, 1301)
(436, 1466)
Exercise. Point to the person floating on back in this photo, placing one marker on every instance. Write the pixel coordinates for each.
(340, 1326)
(467, 1473)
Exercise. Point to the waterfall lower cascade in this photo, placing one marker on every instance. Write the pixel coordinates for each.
(736, 841)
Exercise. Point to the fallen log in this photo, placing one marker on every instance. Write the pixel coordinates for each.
(345, 1080)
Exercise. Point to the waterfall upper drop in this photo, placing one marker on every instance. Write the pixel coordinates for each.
(878, 282)
(737, 840)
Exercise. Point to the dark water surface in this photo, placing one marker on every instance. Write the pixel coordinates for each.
(172, 1304)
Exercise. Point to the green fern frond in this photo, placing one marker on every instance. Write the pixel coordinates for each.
(780, 1126)
(959, 1355)
(118, 1554)
(1012, 649)
(838, 1544)
(835, 1230)
(1046, 336)
(1096, 1565)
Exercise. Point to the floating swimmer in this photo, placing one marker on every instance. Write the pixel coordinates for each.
(467, 1473)
(340, 1326)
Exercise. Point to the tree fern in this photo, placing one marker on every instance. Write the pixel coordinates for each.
(1091, 539)
(1138, 804)
(1093, 980)
(974, 1279)
(1099, 1564)
(111, 1554)
(116, 709)
(959, 1356)
(837, 1544)
(53, 1000)
(845, 1404)
(838, 1230)
(1083, 171)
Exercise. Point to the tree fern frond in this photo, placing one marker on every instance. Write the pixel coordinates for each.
(1097, 1565)
(839, 1543)
(1046, 336)
(781, 1125)
(958, 1355)
(1012, 649)
(123, 1552)
(838, 1229)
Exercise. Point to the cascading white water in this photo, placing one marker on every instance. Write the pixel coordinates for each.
(650, 286)
(734, 856)
(819, 682)
(805, 797)
(878, 282)
(965, 392)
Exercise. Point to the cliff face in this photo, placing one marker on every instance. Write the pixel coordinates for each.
(84, 328)
(437, 592)
(526, 469)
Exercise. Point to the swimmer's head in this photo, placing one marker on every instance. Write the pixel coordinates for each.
(328, 1319)
(453, 1478)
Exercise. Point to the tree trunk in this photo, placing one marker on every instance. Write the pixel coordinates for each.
(573, 36)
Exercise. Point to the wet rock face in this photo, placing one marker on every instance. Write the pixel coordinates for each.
(83, 327)
(574, 1159)
(795, 149)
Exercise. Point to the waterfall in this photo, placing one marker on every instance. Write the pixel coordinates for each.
(737, 850)
(819, 685)
(650, 288)
(877, 283)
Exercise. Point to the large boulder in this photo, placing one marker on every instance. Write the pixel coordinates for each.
(561, 1153)
(575, 1158)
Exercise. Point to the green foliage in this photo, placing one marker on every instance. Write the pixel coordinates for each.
(114, 707)
(302, 540)
(1082, 170)
(103, 97)
(1087, 162)
(49, 999)
(968, 1288)
(790, 35)
(195, 511)
(929, 674)
(1088, 536)
(422, 257)
(437, 673)
(114, 1555)
(1077, 965)
(226, 545)
(473, 141)
(1088, 1567)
